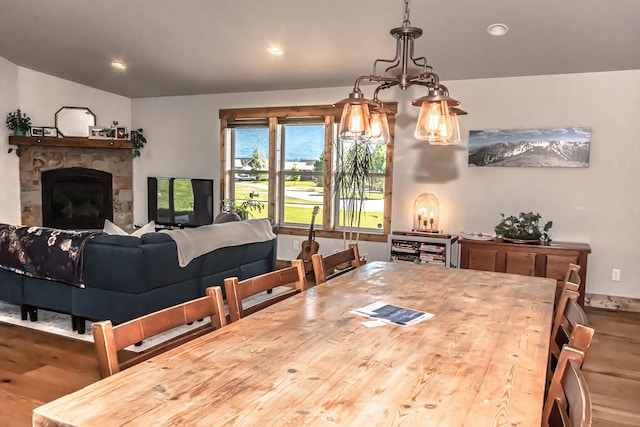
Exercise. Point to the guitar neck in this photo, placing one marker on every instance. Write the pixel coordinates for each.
(313, 220)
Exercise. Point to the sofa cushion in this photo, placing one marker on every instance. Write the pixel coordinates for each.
(111, 228)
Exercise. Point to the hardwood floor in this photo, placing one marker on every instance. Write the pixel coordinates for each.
(612, 368)
(36, 367)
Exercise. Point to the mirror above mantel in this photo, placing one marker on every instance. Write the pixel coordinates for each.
(74, 121)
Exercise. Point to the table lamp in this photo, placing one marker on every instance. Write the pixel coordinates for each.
(426, 212)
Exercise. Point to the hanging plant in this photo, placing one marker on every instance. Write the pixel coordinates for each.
(138, 140)
(19, 150)
(353, 178)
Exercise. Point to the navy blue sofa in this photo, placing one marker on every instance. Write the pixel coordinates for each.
(126, 277)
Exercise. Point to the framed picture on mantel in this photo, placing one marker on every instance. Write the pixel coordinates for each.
(97, 132)
(50, 132)
(551, 148)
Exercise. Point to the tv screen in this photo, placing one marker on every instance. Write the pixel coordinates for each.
(180, 202)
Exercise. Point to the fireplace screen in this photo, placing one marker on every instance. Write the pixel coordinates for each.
(76, 198)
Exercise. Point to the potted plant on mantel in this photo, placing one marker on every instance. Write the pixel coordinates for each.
(18, 122)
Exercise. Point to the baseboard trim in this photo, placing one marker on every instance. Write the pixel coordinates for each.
(611, 302)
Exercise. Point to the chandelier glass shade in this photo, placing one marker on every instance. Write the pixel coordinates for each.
(366, 120)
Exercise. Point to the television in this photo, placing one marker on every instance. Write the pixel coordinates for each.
(180, 202)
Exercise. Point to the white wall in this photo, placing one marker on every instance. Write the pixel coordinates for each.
(40, 96)
(595, 205)
(9, 180)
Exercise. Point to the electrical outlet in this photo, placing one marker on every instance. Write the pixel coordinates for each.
(296, 244)
(615, 275)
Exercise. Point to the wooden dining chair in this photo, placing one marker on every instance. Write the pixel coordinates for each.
(110, 339)
(330, 266)
(568, 402)
(570, 327)
(238, 290)
(571, 282)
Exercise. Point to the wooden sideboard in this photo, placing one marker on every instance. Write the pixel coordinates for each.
(527, 259)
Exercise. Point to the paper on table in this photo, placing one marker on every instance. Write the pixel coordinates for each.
(393, 314)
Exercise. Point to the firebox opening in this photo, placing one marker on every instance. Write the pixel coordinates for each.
(76, 198)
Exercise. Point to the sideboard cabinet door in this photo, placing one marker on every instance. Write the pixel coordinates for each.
(483, 259)
(523, 263)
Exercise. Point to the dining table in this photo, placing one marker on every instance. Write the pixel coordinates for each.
(310, 361)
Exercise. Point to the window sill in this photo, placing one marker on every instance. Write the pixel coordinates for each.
(332, 234)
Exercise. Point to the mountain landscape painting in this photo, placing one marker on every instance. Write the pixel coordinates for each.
(556, 148)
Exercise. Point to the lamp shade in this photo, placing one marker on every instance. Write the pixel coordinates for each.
(379, 126)
(435, 124)
(426, 213)
(354, 124)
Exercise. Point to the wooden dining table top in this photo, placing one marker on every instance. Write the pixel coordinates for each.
(307, 361)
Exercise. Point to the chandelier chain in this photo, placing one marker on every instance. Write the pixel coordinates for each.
(406, 21)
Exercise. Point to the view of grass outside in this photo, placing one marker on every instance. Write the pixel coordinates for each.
(182, 199)
(300, 200)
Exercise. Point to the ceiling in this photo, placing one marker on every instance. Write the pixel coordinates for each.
(184, 47)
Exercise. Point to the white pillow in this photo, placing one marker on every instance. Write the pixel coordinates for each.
(111, 228)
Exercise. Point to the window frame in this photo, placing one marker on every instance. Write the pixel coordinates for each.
(234, 117)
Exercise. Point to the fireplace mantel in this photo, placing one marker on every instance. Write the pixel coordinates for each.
(74, 142)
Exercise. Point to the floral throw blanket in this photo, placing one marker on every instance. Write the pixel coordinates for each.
(45, 253)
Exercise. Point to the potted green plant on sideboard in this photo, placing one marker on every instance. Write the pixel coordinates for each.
(18, 122)
(524, 227)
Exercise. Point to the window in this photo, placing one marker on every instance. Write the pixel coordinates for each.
(249, 153)
(286, 158)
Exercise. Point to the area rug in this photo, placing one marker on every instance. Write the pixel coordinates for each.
(60, 324)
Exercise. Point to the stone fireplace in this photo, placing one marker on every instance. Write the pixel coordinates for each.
(83, 171)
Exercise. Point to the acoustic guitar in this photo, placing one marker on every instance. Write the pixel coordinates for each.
(309, 246)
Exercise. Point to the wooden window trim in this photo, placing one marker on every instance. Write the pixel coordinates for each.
(331, 114)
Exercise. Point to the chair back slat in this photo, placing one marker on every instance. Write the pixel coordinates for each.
(581, 338)
(577, 394)
(570, 327)
(237, 290)
(575, 314)
(268, 281)
(568, 402)
(110, 339)
(573, 275)
(560, 315)
(324, 267)
(571, 282)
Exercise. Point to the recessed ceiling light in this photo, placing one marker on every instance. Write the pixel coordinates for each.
(497, 30)
(119, 65)
(275, 50)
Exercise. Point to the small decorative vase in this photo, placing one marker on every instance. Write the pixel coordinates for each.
(19, 132)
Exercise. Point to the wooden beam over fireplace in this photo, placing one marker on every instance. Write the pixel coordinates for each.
(75, 142)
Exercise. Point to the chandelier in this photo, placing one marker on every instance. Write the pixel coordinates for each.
(366, 120)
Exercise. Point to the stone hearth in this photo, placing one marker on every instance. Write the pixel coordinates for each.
(37, 159)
